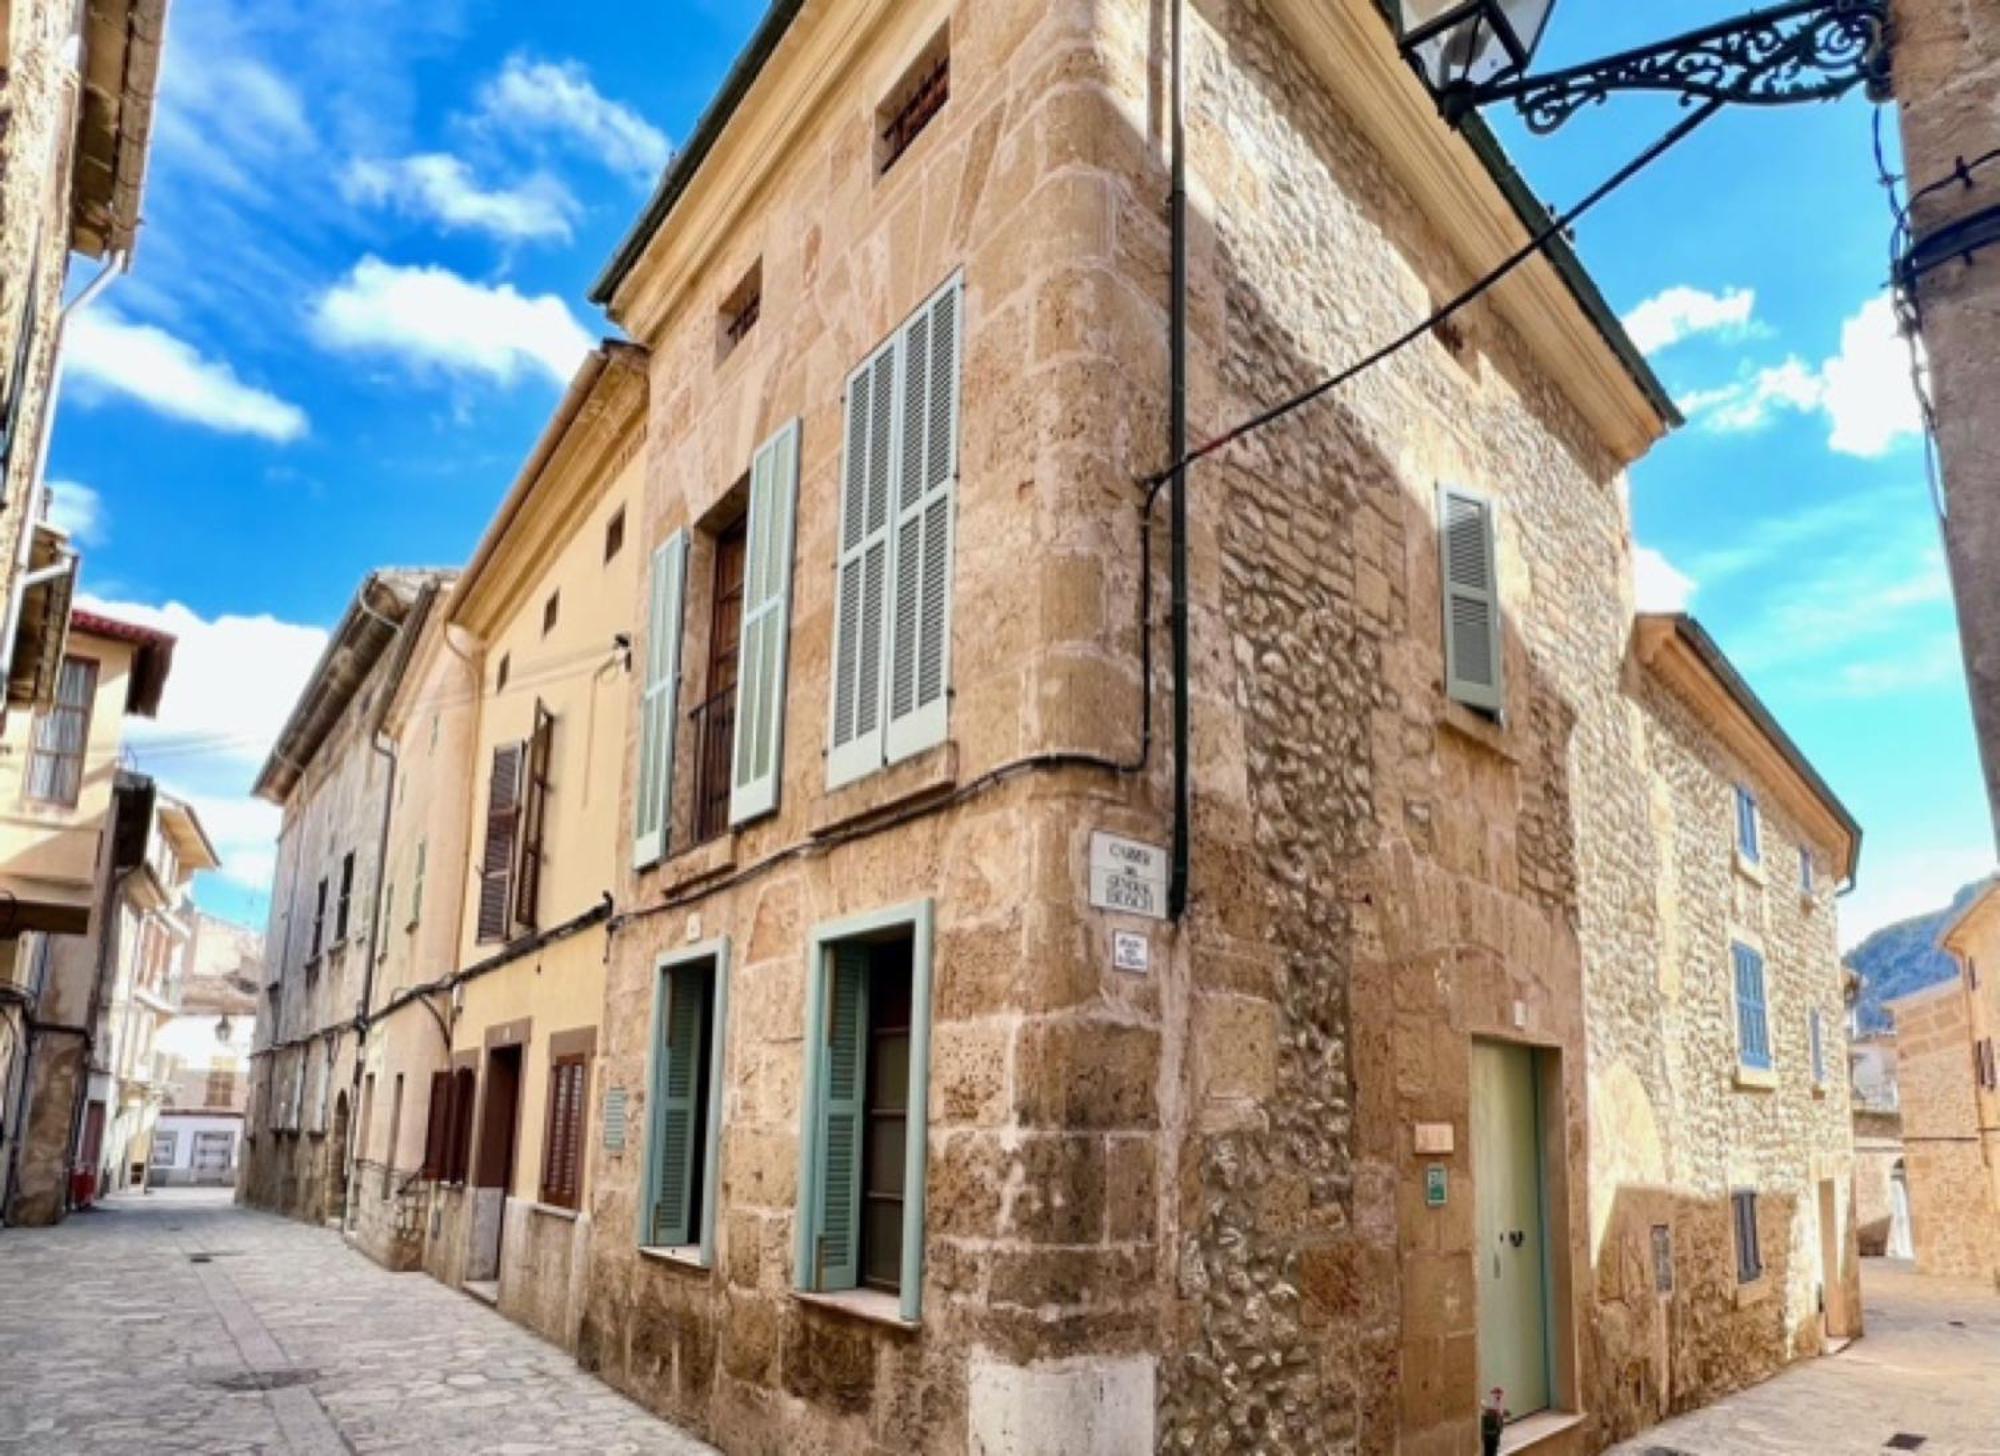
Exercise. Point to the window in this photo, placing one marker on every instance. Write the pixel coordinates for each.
(220, 1091)
(1474, 636)
(1805, 872)
(319, 921)
(562, 1145)
(766, 612)
(919, 96)
(500, 677)
(1816, 1031)
(62, 735)
(437, 1126)
(503, 822)
(448, 1132)
(395, 1131)
(741, 310)
(714, 721)
(417, 885)
(1971, 973)
(1663, 1259)
(862, 1150)
(13, 413)
(614, 534)
(534, 822)
(163, 1149)
(551, 611)
(1988, 1070)
(892, 612)
(1746, 825)
(346, 897)
(682, 1146)
(1753, 1028)
(1749, 1256)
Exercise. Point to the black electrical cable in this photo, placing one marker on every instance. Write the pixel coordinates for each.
(1556, 227)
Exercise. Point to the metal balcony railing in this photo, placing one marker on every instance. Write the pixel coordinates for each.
(714, 725)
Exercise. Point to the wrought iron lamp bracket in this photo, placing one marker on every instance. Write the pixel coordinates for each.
(1809, 50)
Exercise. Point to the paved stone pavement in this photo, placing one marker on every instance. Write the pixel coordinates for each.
(1929, 1368)
(112, 1339)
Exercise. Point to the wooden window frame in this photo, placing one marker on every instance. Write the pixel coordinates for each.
(493, 910)
(52, 762)
(716, 955)
(437, 1126)
(563, 1128)
(918, 921)
(524, 915)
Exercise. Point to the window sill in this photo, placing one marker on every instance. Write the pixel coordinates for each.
(680, 1256)
(871, 1305)
(1755, 1292)
(1750, 869)
(1537, 1430)
(698, 862)
(1483, 729)
(931, 774)
(1757, 1079)
(554, 1210)
(1819, 1089)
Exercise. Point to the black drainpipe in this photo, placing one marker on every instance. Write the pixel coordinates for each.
(1177, 449)
(366, 1009)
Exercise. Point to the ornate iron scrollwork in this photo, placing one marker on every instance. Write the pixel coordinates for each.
(1812, 51)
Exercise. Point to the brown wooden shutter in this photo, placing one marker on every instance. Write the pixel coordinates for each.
(458, 1159)
(562, 1153)
(534, 820)
(503, 823)
(437, 1126)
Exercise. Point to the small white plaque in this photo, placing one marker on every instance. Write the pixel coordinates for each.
(1434, 1139)
(1127, 877)
(694, 928)
(1131, 952)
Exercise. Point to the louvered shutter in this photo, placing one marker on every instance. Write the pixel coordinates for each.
(562, 1163)
(534, 821)
(657, 712)
(503, 821)
(842, 1120)
(926, 480)
(767, 614)
(437, 1125)
(674, 1220)
(861, 585)
(464, 1093)
(1472, 619)
(1752, 1018)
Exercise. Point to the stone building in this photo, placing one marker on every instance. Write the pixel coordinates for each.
(83, 846)
(541, 621)
(1881, 1178)
(1949, 1087)
(76, 111)
(1947, 74)
(330, 775)
(205, 1049)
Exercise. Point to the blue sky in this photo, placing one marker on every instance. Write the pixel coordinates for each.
(370, 232)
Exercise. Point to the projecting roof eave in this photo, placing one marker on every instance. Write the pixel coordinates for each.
(122, 45)
(1987, 895)
(1745, 721)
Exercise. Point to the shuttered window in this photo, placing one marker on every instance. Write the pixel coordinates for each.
(681, 1149)
(62, 736)
(534, 822)
(658, 712)
(892, 622)
(1749, 1254)
(1753, 1026)
(345, 905)
(13, 413)
(861, 1174)
(1473, 625)
(562, 1145)
(1816, 1030)
(1988, 1068)
(458, 1134)
(319, 920)
(503, 822)
(758, 763)
(417, 888)
(1746, 825)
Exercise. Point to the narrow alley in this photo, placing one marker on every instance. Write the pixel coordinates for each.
(178, 1322)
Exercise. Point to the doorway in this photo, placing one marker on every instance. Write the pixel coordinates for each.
(1510, 1191)
(494, 1174)
(336, 1163)
(1837, 1320)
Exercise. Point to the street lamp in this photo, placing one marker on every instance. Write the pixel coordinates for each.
(1473, 53)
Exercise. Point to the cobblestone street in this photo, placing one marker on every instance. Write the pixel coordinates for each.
(1928, 1372)
(177, 1322)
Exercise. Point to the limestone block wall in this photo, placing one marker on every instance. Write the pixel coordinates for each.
(1953, 1220)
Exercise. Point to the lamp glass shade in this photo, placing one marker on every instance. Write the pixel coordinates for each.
(1462, 44)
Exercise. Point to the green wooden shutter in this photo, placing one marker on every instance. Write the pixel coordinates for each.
(658, 712)
(675, 1096)
(926, 477)
(861, 584)
(1472, 617)
(767, 613)
(843, 1087)
(417, 890)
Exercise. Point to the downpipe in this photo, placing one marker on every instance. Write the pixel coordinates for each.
(1177, 451)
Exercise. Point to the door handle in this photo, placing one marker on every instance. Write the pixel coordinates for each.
(1517, 1238)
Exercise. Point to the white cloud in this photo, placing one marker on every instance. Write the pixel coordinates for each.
(1897, 884)
(1864, 392)
(224, 114)
(1662, 587)
(531, 97)
(108, 354)
(233, 683)
(1680, 313)
(441, 187)
(433, 318)
(78, 509)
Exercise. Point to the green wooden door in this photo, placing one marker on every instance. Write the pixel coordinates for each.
(1510, 1235)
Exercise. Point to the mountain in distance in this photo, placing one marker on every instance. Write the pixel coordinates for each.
(1904, 957)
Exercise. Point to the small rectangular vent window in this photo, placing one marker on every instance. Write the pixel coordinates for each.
(742, 309)
(919, 96)
(614, 534)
